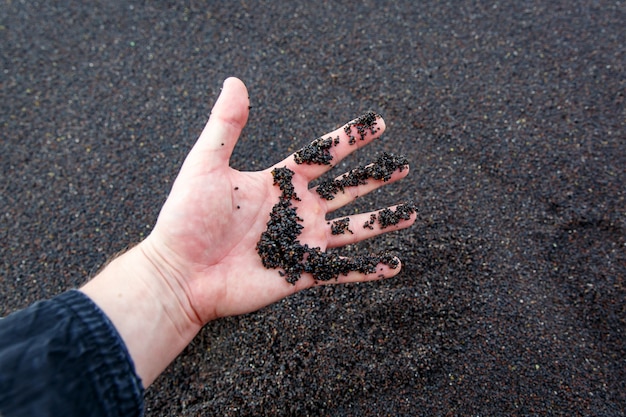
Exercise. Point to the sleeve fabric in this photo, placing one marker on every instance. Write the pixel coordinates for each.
(64, 357)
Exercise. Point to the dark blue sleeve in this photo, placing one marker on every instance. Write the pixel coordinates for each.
(63, 357)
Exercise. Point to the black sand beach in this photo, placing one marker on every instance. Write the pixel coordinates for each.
(512, 115)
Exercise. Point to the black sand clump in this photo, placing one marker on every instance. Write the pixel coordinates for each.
(363, 123)
(326, 266)
(382, 169)
(388, 217)
(279, 247)
(386, 164)
(370, 223)
(316, 152)
(282, 178)
(341, 226)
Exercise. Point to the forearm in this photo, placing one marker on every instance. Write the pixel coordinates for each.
(146, 310)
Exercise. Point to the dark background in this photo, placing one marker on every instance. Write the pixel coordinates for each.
(512, 114)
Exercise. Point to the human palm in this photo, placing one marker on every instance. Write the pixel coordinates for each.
(207, 233)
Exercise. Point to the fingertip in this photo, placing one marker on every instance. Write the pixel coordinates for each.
(233, 103)
(228, 118)
(393, 271)
(360, 131)
(401, 172)
(388, 268)
(380, 122)
(234, 82)
(393, 268)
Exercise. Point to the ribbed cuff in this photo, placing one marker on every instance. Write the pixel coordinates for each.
(63, 356)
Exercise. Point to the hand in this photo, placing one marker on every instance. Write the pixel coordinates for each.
(202, 259)
(206, 235)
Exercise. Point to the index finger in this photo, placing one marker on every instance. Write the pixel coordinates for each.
(325, 152)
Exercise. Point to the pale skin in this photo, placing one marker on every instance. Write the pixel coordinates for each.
(200, 261)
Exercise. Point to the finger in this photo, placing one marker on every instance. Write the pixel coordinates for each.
(358, 227)
(228, 117)
(341, 190)
(362, 268)
(381, 271)
(325, 152)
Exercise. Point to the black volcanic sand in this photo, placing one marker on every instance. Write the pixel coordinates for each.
(511, 114)
(279, 246)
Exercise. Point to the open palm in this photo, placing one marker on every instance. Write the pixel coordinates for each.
(207, 233)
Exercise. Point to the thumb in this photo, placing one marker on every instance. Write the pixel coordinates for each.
(228, 117)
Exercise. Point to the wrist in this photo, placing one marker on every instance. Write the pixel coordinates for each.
(148, 308)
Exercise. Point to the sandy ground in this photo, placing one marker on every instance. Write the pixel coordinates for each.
(511, 113)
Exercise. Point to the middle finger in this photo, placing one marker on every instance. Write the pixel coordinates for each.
(353, 184)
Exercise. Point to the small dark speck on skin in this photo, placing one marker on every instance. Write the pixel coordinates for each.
(236, 188)
(222, 144)
(238, 207)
